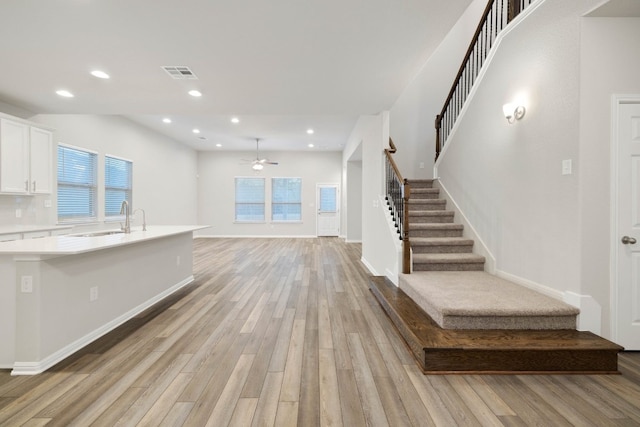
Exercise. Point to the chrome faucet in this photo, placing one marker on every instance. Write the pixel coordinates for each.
(124, 210)
(144, 219)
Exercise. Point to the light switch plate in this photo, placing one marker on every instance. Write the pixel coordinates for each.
(566, 167)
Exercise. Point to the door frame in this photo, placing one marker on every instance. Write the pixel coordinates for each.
(338, 214)
(616, 101)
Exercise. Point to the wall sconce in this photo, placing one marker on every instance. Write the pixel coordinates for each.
(513, 112)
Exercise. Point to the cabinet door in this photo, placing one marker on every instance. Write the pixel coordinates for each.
(40, 168)
(14, 157)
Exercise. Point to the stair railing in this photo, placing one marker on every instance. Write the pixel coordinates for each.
(397, 195)
(496, 16)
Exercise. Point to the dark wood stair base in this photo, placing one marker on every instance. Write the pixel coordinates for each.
(442, 351)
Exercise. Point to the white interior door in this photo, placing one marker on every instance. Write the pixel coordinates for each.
(328, 204)
(627, 239)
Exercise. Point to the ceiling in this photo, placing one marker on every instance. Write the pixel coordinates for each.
(280, 66)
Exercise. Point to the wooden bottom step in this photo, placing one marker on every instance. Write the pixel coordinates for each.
(440, 351)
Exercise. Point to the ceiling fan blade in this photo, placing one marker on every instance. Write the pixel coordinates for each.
(270, 163)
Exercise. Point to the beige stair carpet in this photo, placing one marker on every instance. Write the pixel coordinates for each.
(478, 300)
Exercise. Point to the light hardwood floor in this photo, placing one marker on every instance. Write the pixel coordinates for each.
(285, 332)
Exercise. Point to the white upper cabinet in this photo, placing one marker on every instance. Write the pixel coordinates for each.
(40, 165)
(25, 158)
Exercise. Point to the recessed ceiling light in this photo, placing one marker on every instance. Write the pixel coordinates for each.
(196, 131)
(235, 120)
(218, 145)
(64, 93)
(195, 93)
(310, 146)
(100, 74)
(310, 131)
(166, 120)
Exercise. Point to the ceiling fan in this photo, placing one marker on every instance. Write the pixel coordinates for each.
(258, 163)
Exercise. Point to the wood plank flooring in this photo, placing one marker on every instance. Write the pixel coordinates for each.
(285, 332)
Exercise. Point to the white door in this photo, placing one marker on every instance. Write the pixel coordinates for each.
(627, 239)
(328, 210)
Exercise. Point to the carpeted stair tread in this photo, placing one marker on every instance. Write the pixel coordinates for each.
(478, 300)
(448, 258)
(433, 204)
(443, 245)
(436, 241)
(421, 183)
(436, 226)
(425, 193)
(430, 213)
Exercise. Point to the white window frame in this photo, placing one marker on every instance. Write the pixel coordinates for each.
(94, 186)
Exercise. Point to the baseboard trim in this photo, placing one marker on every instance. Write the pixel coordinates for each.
(369, 267)
(550, 292)
(34, 368)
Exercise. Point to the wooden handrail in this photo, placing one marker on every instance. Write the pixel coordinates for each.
(389, 152)
(398, 191)
(479, 48)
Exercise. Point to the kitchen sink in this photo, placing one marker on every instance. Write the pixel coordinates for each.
(101, 233)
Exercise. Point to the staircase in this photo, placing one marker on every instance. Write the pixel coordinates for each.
(455, 318)
(436, 241)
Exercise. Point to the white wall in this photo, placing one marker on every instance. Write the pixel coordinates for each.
(610, 64)
(379, 245)
(354, 187)
(413, 115)
(164, 171)
(216, 189)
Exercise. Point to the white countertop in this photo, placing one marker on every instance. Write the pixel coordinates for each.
(15, 229)
(54, 246)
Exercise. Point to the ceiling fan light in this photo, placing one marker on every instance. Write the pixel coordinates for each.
(257, 166)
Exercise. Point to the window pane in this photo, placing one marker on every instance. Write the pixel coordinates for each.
(286, 200)
(76, 184)
(328, 199)
(117, 185)
(249, 199)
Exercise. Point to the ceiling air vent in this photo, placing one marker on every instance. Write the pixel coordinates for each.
(179, 72)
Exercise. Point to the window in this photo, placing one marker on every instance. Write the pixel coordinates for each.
(328, 199)
(286, 199)
(117, 184)
(76, 184)
(250, 199)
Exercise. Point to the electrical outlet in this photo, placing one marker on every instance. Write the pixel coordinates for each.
(18, 213)
(178, 260)
(26, 284)
(93, 293)
(421, 166)
(47, 203)
(566, 167)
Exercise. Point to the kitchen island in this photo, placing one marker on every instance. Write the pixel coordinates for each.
(59, 293)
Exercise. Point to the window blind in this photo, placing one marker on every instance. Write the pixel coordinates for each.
(117, 184)
(249, 199)
(76, 184)
(286, 199)
(328, 199)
